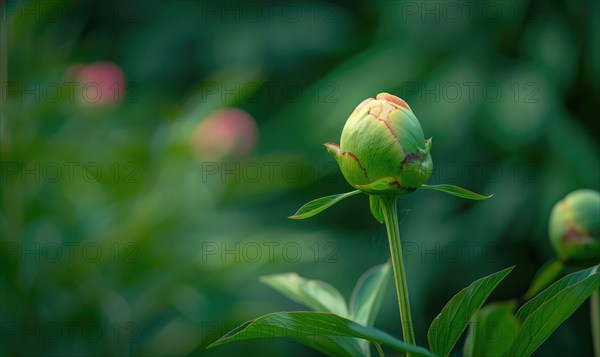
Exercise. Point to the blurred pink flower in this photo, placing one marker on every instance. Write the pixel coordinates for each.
(101, 83)
(224, 134)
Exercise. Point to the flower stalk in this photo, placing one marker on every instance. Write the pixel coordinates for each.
(390, 213)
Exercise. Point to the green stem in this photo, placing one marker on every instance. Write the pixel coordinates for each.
(379, 350)
(595, 315)
(390, 214)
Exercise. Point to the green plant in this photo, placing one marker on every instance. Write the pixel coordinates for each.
(574, 234)
(383, 153)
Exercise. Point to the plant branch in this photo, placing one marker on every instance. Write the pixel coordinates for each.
(390, 213)
(379, 350)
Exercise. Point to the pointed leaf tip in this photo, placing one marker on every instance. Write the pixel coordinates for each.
(457, 191)
(428, 144)
(315, 294)
(320, 204)
(368, 293)
(543, 314)
(448, 326)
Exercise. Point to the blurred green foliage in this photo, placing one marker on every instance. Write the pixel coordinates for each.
(117, 239)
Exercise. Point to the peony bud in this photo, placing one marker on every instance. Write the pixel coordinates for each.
(225, 134)
(575, 226)
(101, 83)
(383, 149)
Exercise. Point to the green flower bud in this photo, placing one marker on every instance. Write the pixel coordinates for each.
(383, 149)
(575, 226)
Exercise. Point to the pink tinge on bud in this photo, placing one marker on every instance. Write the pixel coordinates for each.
(100, 83)
(224, 134)
(392, 98)
(362, 104)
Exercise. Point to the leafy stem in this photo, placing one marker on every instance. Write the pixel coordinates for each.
(390, 214)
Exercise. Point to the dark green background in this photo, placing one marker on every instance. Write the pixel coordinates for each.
(507, 89)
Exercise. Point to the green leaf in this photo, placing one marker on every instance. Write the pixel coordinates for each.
(595, 317)
(545, 276)
(320, 204)
(376, 208)
(381, 185)
(367, 297)
(564, 283)
(368, 294)
(492, 330)
(448, 326)
(315, 294)
(457, 191)
(319, 330)
(544, 313)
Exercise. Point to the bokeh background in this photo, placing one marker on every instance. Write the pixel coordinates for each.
(151, 153)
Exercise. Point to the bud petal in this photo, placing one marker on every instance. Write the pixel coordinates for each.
(393, 99)
(334, 150)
